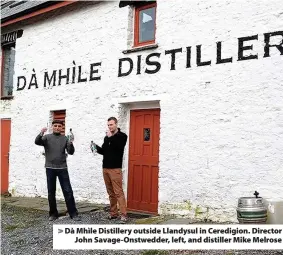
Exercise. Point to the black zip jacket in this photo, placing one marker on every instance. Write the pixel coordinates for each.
(113, 150)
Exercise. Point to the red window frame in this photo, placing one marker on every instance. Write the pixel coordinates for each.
(137, 25)
(60, 115)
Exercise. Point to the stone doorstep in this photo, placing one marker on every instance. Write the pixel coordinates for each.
(41, 204)
(9, 200)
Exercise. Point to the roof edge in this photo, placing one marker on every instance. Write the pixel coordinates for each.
(30, 10)
(53, 5)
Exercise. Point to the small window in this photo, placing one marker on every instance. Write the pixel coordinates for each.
(146, 134)
(145, 17)
(7, 70)
(60, 115)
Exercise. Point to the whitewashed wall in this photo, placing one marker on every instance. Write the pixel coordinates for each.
(221, 125)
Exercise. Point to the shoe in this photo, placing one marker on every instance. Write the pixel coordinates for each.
(77, 218)
(124, 219)
(52, 218)
(112, 217)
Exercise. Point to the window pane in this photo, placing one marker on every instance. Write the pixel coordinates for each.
(146, 25)
(146, 134)
(8, 69)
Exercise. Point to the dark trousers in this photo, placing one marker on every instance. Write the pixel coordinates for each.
(66, 187)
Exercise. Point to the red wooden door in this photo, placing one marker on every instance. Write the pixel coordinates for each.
(143, 161)
(5, 149)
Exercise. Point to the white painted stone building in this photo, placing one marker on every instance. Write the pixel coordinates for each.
(215, 73)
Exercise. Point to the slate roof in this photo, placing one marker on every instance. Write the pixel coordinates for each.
(15, 9)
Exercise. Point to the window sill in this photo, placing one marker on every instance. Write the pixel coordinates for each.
(7, 98)
(141, 48)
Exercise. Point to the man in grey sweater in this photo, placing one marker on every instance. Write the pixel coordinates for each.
(55, 146)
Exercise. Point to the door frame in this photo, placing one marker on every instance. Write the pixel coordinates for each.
(9, 119)
(138, 107)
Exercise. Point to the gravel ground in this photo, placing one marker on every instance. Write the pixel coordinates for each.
(29, 232)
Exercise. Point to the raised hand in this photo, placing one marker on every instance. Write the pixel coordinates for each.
(108, 133)
(92, 146)
(43, 130)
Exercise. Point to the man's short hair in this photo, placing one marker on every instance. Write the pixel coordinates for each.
(58, 122)
(113, 118)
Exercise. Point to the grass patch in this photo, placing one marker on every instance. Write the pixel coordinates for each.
(8, 213)
(19, 218)
(11, 227)
(151, 220)
(19, 211)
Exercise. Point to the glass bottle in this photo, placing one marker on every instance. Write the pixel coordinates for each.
(70, 136)
(93, 147)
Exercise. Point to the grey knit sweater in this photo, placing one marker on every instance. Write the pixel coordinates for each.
(55, 146)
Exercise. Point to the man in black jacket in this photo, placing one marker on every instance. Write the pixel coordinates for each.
(55, 146)
(113, 151)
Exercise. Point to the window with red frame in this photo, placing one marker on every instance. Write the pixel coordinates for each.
(60, 115)
(7, 70)
(145, 24)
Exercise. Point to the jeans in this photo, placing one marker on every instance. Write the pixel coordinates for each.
(66, 187)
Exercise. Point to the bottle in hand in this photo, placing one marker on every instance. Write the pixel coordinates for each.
(93, 147)
(70, 136)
